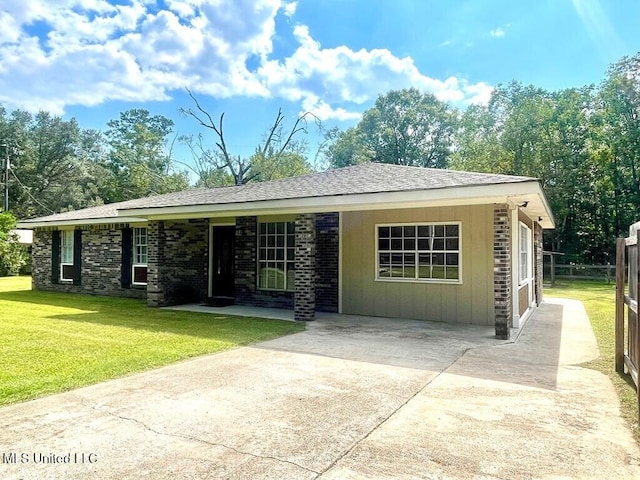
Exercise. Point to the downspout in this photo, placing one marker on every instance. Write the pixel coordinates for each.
(515, 257)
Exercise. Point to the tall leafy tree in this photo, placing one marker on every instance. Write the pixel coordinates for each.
(45, 169)
(405, 127)
(139, 159)
(618, 117)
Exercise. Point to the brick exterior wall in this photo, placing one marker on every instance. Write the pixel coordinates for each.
(305, 298)
(537, 246)
(327, 251)
(502, 271)
(178, 261)
(101, 259)
(178, 264)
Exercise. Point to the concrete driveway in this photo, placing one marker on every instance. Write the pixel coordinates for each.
(359, 399)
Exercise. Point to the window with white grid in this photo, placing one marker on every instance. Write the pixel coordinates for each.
(421, 252)
(140, 256)
(276, 256)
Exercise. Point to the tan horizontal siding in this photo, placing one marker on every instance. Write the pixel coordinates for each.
(469, 302)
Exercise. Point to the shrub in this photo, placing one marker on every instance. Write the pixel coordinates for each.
(13, 255)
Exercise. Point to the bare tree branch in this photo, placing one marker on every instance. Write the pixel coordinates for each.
(274, 144)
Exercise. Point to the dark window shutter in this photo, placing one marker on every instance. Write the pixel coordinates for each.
(55, 256)
(127, 242)
(77, 257)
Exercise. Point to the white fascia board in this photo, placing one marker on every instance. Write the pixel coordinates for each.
(472, 195)
(88, 221)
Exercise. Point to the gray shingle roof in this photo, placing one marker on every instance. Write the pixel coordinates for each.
(359, 179)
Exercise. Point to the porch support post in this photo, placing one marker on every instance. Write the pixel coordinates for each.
(537, 248)
(155, 262)
(502, 291)
(305, 293)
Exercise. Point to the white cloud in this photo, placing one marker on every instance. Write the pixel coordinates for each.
(290, 8)
(497, 33)
(94, 52)
(343, 76)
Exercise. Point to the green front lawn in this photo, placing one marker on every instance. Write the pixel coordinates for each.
(52, 342)
(599, 301)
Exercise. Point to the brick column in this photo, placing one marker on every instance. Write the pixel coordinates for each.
(537, 248)
(305, 294)
(155, 261)
(245, 261)
(327, 269)
(502, 271)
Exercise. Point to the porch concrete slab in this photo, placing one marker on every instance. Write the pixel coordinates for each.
(386, 341)
(237, 310)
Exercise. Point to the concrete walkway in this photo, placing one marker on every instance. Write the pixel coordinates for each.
(339, 401)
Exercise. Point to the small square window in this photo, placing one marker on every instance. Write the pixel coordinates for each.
(410, 231)
(409, 243)
(424, 231)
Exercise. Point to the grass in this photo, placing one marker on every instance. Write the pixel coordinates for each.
(53, 342)
(599, 301)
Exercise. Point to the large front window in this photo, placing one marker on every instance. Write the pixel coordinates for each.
(424, 252)
(276, 256)
(140, 256)
(66, 255)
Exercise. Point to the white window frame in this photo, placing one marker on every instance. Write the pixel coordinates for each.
(524, 251)
(136, 256)
(417, 251)
(263, 251)
(66, 253)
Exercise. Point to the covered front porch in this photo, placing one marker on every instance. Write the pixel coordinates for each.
(287, 262)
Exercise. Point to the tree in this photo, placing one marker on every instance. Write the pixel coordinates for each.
(45, 168)
(618, 118)
(478, 146)
(405, 127)
(548, 135)
(278, 155)
(139, 159)
(12, 254)
(346, 148)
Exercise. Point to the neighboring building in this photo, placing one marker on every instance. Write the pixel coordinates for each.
(372, 239)
(25, 237)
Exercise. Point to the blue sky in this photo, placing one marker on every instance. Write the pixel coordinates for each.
(91, 59)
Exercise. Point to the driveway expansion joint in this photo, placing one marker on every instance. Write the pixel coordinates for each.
(384, 419)
(195, 439)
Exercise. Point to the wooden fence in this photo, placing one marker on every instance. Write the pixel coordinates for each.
(627, 339)
(554, 271)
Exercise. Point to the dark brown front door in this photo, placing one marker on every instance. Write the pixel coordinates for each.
(222, 261)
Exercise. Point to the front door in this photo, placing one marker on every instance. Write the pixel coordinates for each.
(222, 261)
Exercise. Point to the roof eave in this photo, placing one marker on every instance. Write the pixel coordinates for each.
(475, 194)
(27, 224)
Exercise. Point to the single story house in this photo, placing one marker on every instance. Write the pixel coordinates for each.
(372, 239)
